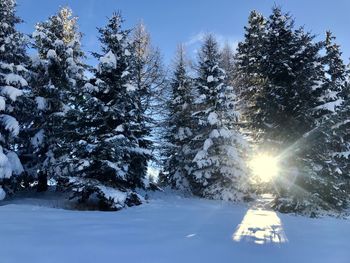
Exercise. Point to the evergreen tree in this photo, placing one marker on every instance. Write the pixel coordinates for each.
(323, 179)
(278, 69)
(249, 75)
(292, 110)
(58, 77)
(179, 130)
(291, 93)
(293, 71)
(109, 126)
(330, 93)
(217, 170)
(341, 140)
(13, 92)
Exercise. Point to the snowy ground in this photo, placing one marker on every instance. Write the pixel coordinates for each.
(169, 229)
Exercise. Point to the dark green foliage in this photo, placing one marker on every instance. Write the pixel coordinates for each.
(109, 153)
(179, 125)
(57, 82)
(217, 169)
(290, 96)
(14, 94)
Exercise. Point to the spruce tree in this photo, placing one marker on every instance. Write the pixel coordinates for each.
(13, 93)
(330, 92)
(217, 170)
(58, 77)
(179, 125)
(293, 110)
(278, 69)
(249, 75)
(323, 179)
(293, 71)
(109, 126)
(341, 140)
(294, 81)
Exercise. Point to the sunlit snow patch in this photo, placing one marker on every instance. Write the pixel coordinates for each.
(261, 227)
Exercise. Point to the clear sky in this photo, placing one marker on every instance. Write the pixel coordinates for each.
(184, 21)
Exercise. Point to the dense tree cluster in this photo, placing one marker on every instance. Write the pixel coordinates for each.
(281, 93)
(205, 155)
(292, 90)
(89, 136)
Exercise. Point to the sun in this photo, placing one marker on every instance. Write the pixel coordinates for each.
(265, 167)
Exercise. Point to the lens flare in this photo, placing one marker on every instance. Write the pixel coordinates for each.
(265, 167)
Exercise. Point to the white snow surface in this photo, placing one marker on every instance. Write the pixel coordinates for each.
(120, 128)
(109, 60)
(41, 103)
(38, 138)
(58, 43)
(213, 118)
(15, 163)
(2, 194)
(118, 36)
(118, 197)
(90, 88)
(127, 52)
(14, 79)
(207, 144)
(10, 123)
(331, 106)
(168, 229)
(2, 103)
(51, 54)
(11, 92)
(130, 88)
(21, 68)
(9, 164)
(210, 79)
(38, 34)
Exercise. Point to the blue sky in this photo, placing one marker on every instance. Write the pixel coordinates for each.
(184, 21)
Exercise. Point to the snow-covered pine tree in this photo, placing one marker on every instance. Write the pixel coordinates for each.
(217, 169)
(323, 180)
(276, 68)
(179, 130)
(293, 71)
(295, 75)
(249, 76)
(109, 127)
(292, 86)
(13, 87)
(330, 92)
(148, 79)
(341, 139)
(58, 77)
(331, 158)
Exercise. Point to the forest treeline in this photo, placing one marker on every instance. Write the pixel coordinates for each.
(94, 135)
